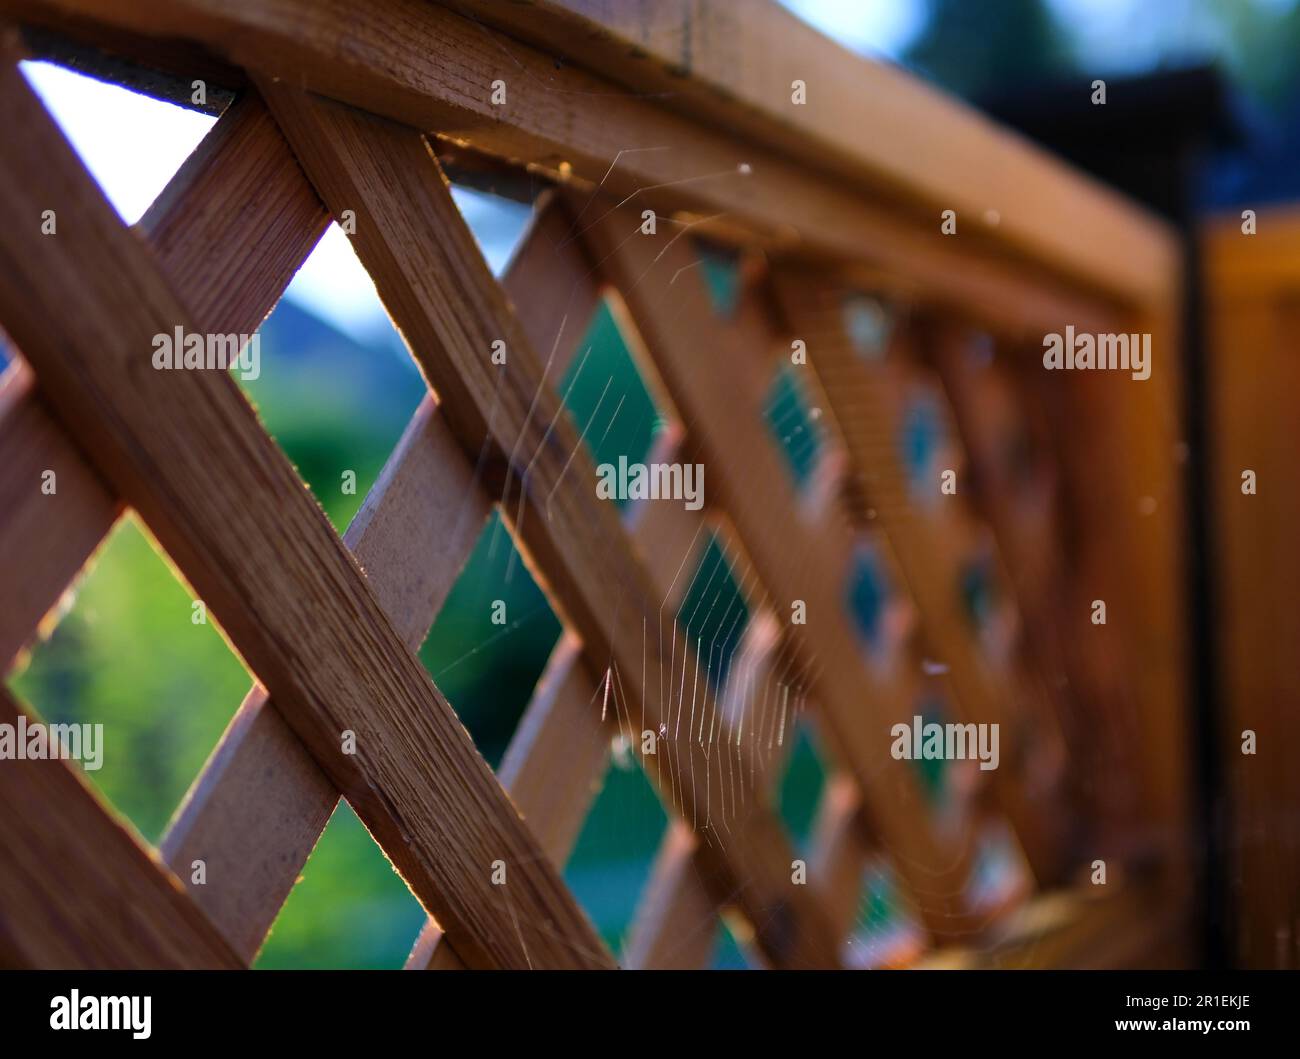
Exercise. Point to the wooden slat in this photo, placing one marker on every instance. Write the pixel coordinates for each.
(552, 768)
(256, 810)
(1253, 371)
(428, 67)
(1133, 927)
(1019, 493)
(558, 755)
(440, 293)
(840, 851)
(661, 284)
(733, 65)
(1015, 487)
(231, 252)
(676, 924)
(109, 903)
(44, 539)
(672, 928)
(236, 519)
(261, 802)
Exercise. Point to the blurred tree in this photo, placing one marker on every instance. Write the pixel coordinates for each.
(1258, 42)
(985, 49)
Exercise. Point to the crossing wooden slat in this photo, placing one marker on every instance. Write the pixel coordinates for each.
(259, 805)
(239, 523)
(555, 761)
(332, 634)
(1020, 496)
(113, 905)
(675, 924)
(439, 291)
(1016, 489)
(660, 282)
(232, 252)
(256, 810)
(44, 538)
(560, 748)
(840, 851)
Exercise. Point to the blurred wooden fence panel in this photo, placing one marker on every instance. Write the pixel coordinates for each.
(1253, 295)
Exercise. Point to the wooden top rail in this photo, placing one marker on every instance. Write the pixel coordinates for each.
(734, 66)
(429, 66)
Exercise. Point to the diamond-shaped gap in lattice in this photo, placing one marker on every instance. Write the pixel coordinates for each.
(886, 933)
(490, 642)
(336, 385)
(612, 398)
(1000, 875)
(131, 143)
(986, 603)
(921, 443)
(869, 325)
(331, 380)
(879, 612)
(720, 267)
(349, 909)
(800, 783)
(792, 420)
(732, 952)
(133, 651)
(714, 611)
(948, 786)
(614, 855)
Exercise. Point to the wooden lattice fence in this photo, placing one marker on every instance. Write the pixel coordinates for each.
(1068, 491)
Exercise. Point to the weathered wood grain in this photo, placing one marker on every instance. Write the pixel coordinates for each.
(256, 810)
